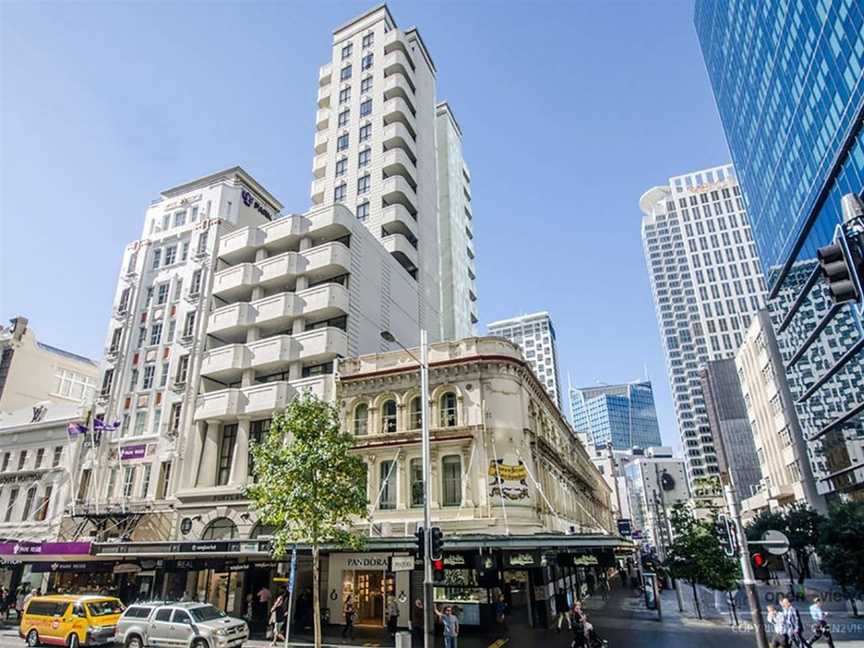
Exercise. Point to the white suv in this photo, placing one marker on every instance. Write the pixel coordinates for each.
(179, 625)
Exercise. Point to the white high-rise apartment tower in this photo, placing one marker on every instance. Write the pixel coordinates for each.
(376, 152)
(535, 335)
(707, 284)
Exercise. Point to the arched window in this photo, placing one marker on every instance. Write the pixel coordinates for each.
(451, 478)
(262, 531)
(388, 416)
(220, 529)
(448, 410)
(416, 420)
(361, 419)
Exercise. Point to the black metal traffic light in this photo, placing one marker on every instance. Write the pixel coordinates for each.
(724, 529)
(842, 267)
(437, 544)
(438, 570)
(420, 534)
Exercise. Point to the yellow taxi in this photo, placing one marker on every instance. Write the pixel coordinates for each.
(69, 620)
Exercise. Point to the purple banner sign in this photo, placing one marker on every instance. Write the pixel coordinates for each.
(44, 548)
(133, 452)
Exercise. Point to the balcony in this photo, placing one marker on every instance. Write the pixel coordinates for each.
(396, 219)
(468, 212)
(321, 139)
(316, 191)
(321, 386)
(397, 163)
(274, 313)
(397, 191)
(324, 96)
(322, 119)
(280, 270)
(324, 74)
(321, 345)
(323, 302)
(219, 405)
(402, 250)
(239, 246)
(319, 165)
(230, 323)
(329, 223)
(225, 364)
(284, 233)
(232, 284)
(272, 354)
(396, 69)
(326, 261)
(397, 111)
(394, 41)
(255, 400)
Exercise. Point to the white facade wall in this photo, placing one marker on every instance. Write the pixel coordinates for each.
(706, 283)
(651, 497)
(455, 231)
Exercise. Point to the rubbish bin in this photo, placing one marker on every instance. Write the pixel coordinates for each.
(403, 640)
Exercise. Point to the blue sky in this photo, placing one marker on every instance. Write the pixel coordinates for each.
(570, 110)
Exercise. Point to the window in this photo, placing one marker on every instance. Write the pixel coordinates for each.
(346, 51)
(148, 376)
(339, 192)
(363, 184)
(128, 480)
(416, 477)
(84, 485)
(28, 503)
(345, 74)
(181, 617)
(345, 95)
(71, 384)
(342, 142)
(448, 410)
(226, 453)
(257, 434)
(115, 340)
(155, 333)
(184, 251)
(363, 211)
(133, 380)
(364, 157)
(451, 475)
(415, 421)
(162, 294)
(157, 257)
(182, 369)
(341, 167)
(367, 60)
(124, 426)
(343, 118)
(58, 454)
(366, 84)
(174, 422)
(170, 255)
(164, 484)
(145, 481)
(220, 529)
(140, 423)
(365, 132)
(368, 39)
(164, 615)
(157, 420)
(388, 416)
(44, 504)
(13, 498)
(22, 459)
(5, 465)
(366, 108)
(179, 218)
(163, 376)
(189, 324)
(361, 419)
(387, 501)
(195, 286)
(142, 336)
(40, 455)
(124, 300)
(202, 243)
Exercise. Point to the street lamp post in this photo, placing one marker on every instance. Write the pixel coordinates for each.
(428, 592)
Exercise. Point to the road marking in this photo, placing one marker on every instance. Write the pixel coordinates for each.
(498, 643)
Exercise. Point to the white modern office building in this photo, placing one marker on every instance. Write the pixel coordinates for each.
(535, 335)
(376, 152)
(707, 284)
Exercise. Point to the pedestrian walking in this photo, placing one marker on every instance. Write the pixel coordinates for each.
(277, 619)
(417, 617)
(392, 616)
(348, 612)
(501, 610)
(775, 621)
(577, 625)
(793, 632)
(562, 610)
(820, 623)
(450, 622)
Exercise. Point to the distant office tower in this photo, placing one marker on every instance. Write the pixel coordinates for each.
(535, 335)
(376, 153)
(455, 231)
(788, 79)
(623, 415)
(730, 427)
(706, 283)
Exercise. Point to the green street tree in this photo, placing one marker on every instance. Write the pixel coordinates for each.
(308, 485)
(696, 555)
(841, 550)
(801, 525)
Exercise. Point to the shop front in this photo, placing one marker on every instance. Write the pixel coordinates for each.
(25, 564)
(367, 579)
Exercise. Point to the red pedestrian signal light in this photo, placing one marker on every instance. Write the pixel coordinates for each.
(438, 570)
(758, 560)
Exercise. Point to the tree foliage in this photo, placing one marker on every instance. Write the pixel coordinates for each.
(696, 554)
(308, 485)
(840, 546)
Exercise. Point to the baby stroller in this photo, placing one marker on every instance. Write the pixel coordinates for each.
(584, 636)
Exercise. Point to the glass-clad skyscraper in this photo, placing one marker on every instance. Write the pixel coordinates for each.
(788, 78)
(621, 414)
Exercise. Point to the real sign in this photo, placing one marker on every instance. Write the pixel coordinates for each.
(401, 563)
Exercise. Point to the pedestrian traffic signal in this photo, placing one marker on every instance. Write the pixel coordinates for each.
(758, 559)
(842, 266)
(438, 570)
(724, 530)
(437, 542)
(421, 542)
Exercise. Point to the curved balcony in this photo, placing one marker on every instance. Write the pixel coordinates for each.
(229, 323)
(322, 119)
(327, 260)
(322, 344)
(328, 223)
(232, 284)
(396, 190)
(397, 64)
(273, 353)
(239, 246)
(324, 96)
(255, 400)
(321, 139)
(274, 313)
(319, 165)
(321, 386)
(396, 162)
(284, 233)
(394, 41)
(316, 191)
(323, 302)
(396, 219)
(324, 74)
(402, 250)
(397, 111)
(280, 270)
(225, 364)
(397, 136)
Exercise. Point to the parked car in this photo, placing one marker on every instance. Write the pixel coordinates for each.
(71, 621)
(179, 625)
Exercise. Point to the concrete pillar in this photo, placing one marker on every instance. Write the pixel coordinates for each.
(240, 460)
(189, 475)
(468, 480)
(402, 489)
(209, 455)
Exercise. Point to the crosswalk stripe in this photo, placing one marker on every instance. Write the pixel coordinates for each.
(498, 643)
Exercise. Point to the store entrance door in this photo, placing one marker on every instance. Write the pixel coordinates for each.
(369, 597)
(517, 595)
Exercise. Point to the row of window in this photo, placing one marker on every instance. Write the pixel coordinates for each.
(364, 183)
(71, 384)
(447, 415)
(34, 510)
(364, 134)
(348, 48)
(38, 463)
(135, 481)
(384, 497)
(364, 158)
